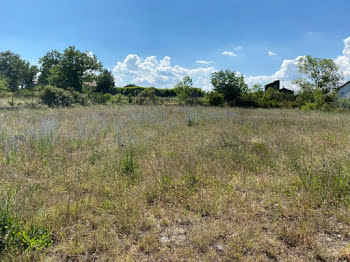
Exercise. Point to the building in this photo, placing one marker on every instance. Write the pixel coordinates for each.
(344, 90)
(275, 85)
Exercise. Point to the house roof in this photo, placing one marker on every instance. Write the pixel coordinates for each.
(340, 87)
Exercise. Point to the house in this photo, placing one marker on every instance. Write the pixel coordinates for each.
(287, 91)
(275, 85)
(344, 90)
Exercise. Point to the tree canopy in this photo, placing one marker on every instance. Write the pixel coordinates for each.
(228, 83)
(16, 72)
(320, 73)
(68, 70)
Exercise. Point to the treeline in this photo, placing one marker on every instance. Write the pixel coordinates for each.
(74, 77)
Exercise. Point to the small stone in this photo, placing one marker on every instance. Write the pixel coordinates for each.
(339, 236)
(164, 240)
(219, 247)
(328, 239)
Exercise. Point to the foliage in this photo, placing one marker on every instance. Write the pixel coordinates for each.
(16, 71)
(3, 83)
(100, 98)
(228, 83)
(215, 98)
(105, 82)
(321, 73)
(68, 70)
(185, 91)
(53, 97)
(147, 96)
(12, 233)
(129, 90)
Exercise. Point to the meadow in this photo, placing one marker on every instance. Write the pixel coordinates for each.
(174, 183)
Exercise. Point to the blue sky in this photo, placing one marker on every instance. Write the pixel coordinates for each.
(156, 42)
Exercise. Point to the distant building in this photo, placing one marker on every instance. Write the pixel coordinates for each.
(344, 90)
(274, 85)
(286, 91)
(90, 84)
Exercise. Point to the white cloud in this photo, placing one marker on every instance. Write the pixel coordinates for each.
(238, 48)
(203, 62)
(150, 71)
(287, 73)
(270, 53)
(344, 61)
(229, 53)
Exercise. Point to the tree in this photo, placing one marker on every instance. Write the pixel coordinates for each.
(185, 91)
(13, 68)
(228, 83)
(3, 83)
(320, 73)
(29, 76)
(68, 70)
(47, 62)
(105, 82)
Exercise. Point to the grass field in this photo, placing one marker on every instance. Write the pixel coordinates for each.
(138, 183)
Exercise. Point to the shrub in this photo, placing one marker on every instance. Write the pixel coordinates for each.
(100, 98)
(343, 103)
(53, 97)
(80, 98)
(146, 96)
(215, 99)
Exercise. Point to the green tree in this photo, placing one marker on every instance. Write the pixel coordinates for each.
(3, 83)
(320, 73)
(105, 82)
(13, 68)
(29, 76)
(228, 83)
(185, 91)
(68, 70)
(47, 62)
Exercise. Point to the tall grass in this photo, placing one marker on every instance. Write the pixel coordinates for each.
(151, 183)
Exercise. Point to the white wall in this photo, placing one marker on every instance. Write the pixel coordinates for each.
(344, 91)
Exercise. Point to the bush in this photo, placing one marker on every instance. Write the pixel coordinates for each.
(215, 99)
(79, 98)
(343, 103)
(147, 96)
(100, 98)
(53, 97)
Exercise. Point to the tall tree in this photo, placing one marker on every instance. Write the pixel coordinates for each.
(29, 76)
(47, 62)
(70, 69)
(13, 68)
(320, 73)
(228, 83)
(186, 92)
(105, 82)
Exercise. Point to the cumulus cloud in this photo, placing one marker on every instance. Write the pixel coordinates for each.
(229, 53)
(344, 61)
(203, 62)
(287, 73)
(150, 71)
(270, 53)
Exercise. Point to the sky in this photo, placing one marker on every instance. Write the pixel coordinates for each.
(158, 42)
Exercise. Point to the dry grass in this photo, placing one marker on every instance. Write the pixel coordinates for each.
(179, 183)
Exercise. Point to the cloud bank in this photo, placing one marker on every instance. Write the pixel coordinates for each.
(161, 73)
(150, 71)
